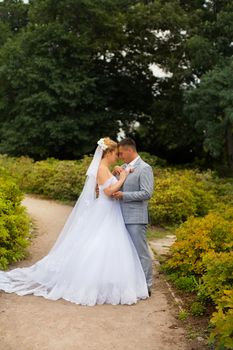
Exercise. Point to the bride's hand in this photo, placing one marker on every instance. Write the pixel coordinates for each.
(124, 174)
(117, 170)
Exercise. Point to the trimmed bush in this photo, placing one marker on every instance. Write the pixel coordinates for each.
(57, 179)
(198, 236)
(218, 275)
(204, 249)
(222, 321)
(197, 308)
(14, 224)
(180, 194)
(51, 178)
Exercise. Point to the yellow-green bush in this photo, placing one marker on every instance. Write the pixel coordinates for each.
(223, 189)
(180, 194)
(218, 274)
(51, 177)
(222, 322)
(204, 249)
(198, 236)
(65, 180)
(18, 168)
(14, 224)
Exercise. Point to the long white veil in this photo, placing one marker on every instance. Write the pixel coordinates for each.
(85, 200)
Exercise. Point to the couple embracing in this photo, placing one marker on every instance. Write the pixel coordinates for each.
(101, 255)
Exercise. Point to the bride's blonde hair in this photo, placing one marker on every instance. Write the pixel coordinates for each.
(112, 145)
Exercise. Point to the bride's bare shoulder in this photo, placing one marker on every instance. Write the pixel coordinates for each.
(103, 174)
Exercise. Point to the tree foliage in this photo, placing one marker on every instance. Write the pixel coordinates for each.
(211, 109)
(73, 71)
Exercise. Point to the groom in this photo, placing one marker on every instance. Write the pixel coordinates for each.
(136, 191)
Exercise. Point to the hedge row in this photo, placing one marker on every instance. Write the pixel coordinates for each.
(178, 193)
(14, 224)
(202, 261)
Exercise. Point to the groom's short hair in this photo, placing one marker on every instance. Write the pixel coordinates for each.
(128, 142)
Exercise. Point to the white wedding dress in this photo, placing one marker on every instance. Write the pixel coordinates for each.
(95, 262)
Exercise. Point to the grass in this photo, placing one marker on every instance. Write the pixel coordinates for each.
(156, 232)
(183, 315)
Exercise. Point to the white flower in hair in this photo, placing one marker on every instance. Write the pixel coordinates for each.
(102, 144)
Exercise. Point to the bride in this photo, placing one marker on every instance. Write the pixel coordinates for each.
(93, 260)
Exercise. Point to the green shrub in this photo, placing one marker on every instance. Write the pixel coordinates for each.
(183, 315)
(51, 177)
(14, 224)
(222, 323)
(198, 236)
(223, 189)
(197, 309)
(204, 248)
(17, 168)
(180, 194)
(62, 179)
(153, 160)
(187, 283)
(218, 276)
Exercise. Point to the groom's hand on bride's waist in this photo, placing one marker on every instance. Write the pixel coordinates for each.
(118, 195)
(97, 191)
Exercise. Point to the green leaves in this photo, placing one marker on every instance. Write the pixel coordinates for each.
(79, 69)
(14, 14)
(47, 89)
(14, 224)
(210, 107)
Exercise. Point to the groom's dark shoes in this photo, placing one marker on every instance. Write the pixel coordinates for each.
(149, 291)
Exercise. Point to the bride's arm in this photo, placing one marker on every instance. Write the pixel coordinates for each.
(103, 176)
(115, 187)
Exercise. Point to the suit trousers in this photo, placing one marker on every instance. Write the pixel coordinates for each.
(138, 236)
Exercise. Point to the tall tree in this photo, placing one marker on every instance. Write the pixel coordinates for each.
(52, 101)
(210, 107)
(158, 32)
(80, 69)
(14, 13)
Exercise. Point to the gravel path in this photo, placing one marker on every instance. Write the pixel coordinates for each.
(31, 323)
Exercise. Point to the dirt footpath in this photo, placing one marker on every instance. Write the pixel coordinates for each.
(31, 322)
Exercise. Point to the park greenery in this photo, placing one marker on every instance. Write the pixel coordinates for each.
(198, 205)
(74, 71)
(14, 224)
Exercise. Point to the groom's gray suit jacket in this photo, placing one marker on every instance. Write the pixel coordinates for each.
(137, 190)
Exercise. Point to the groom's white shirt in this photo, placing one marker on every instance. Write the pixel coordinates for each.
(131, 164)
